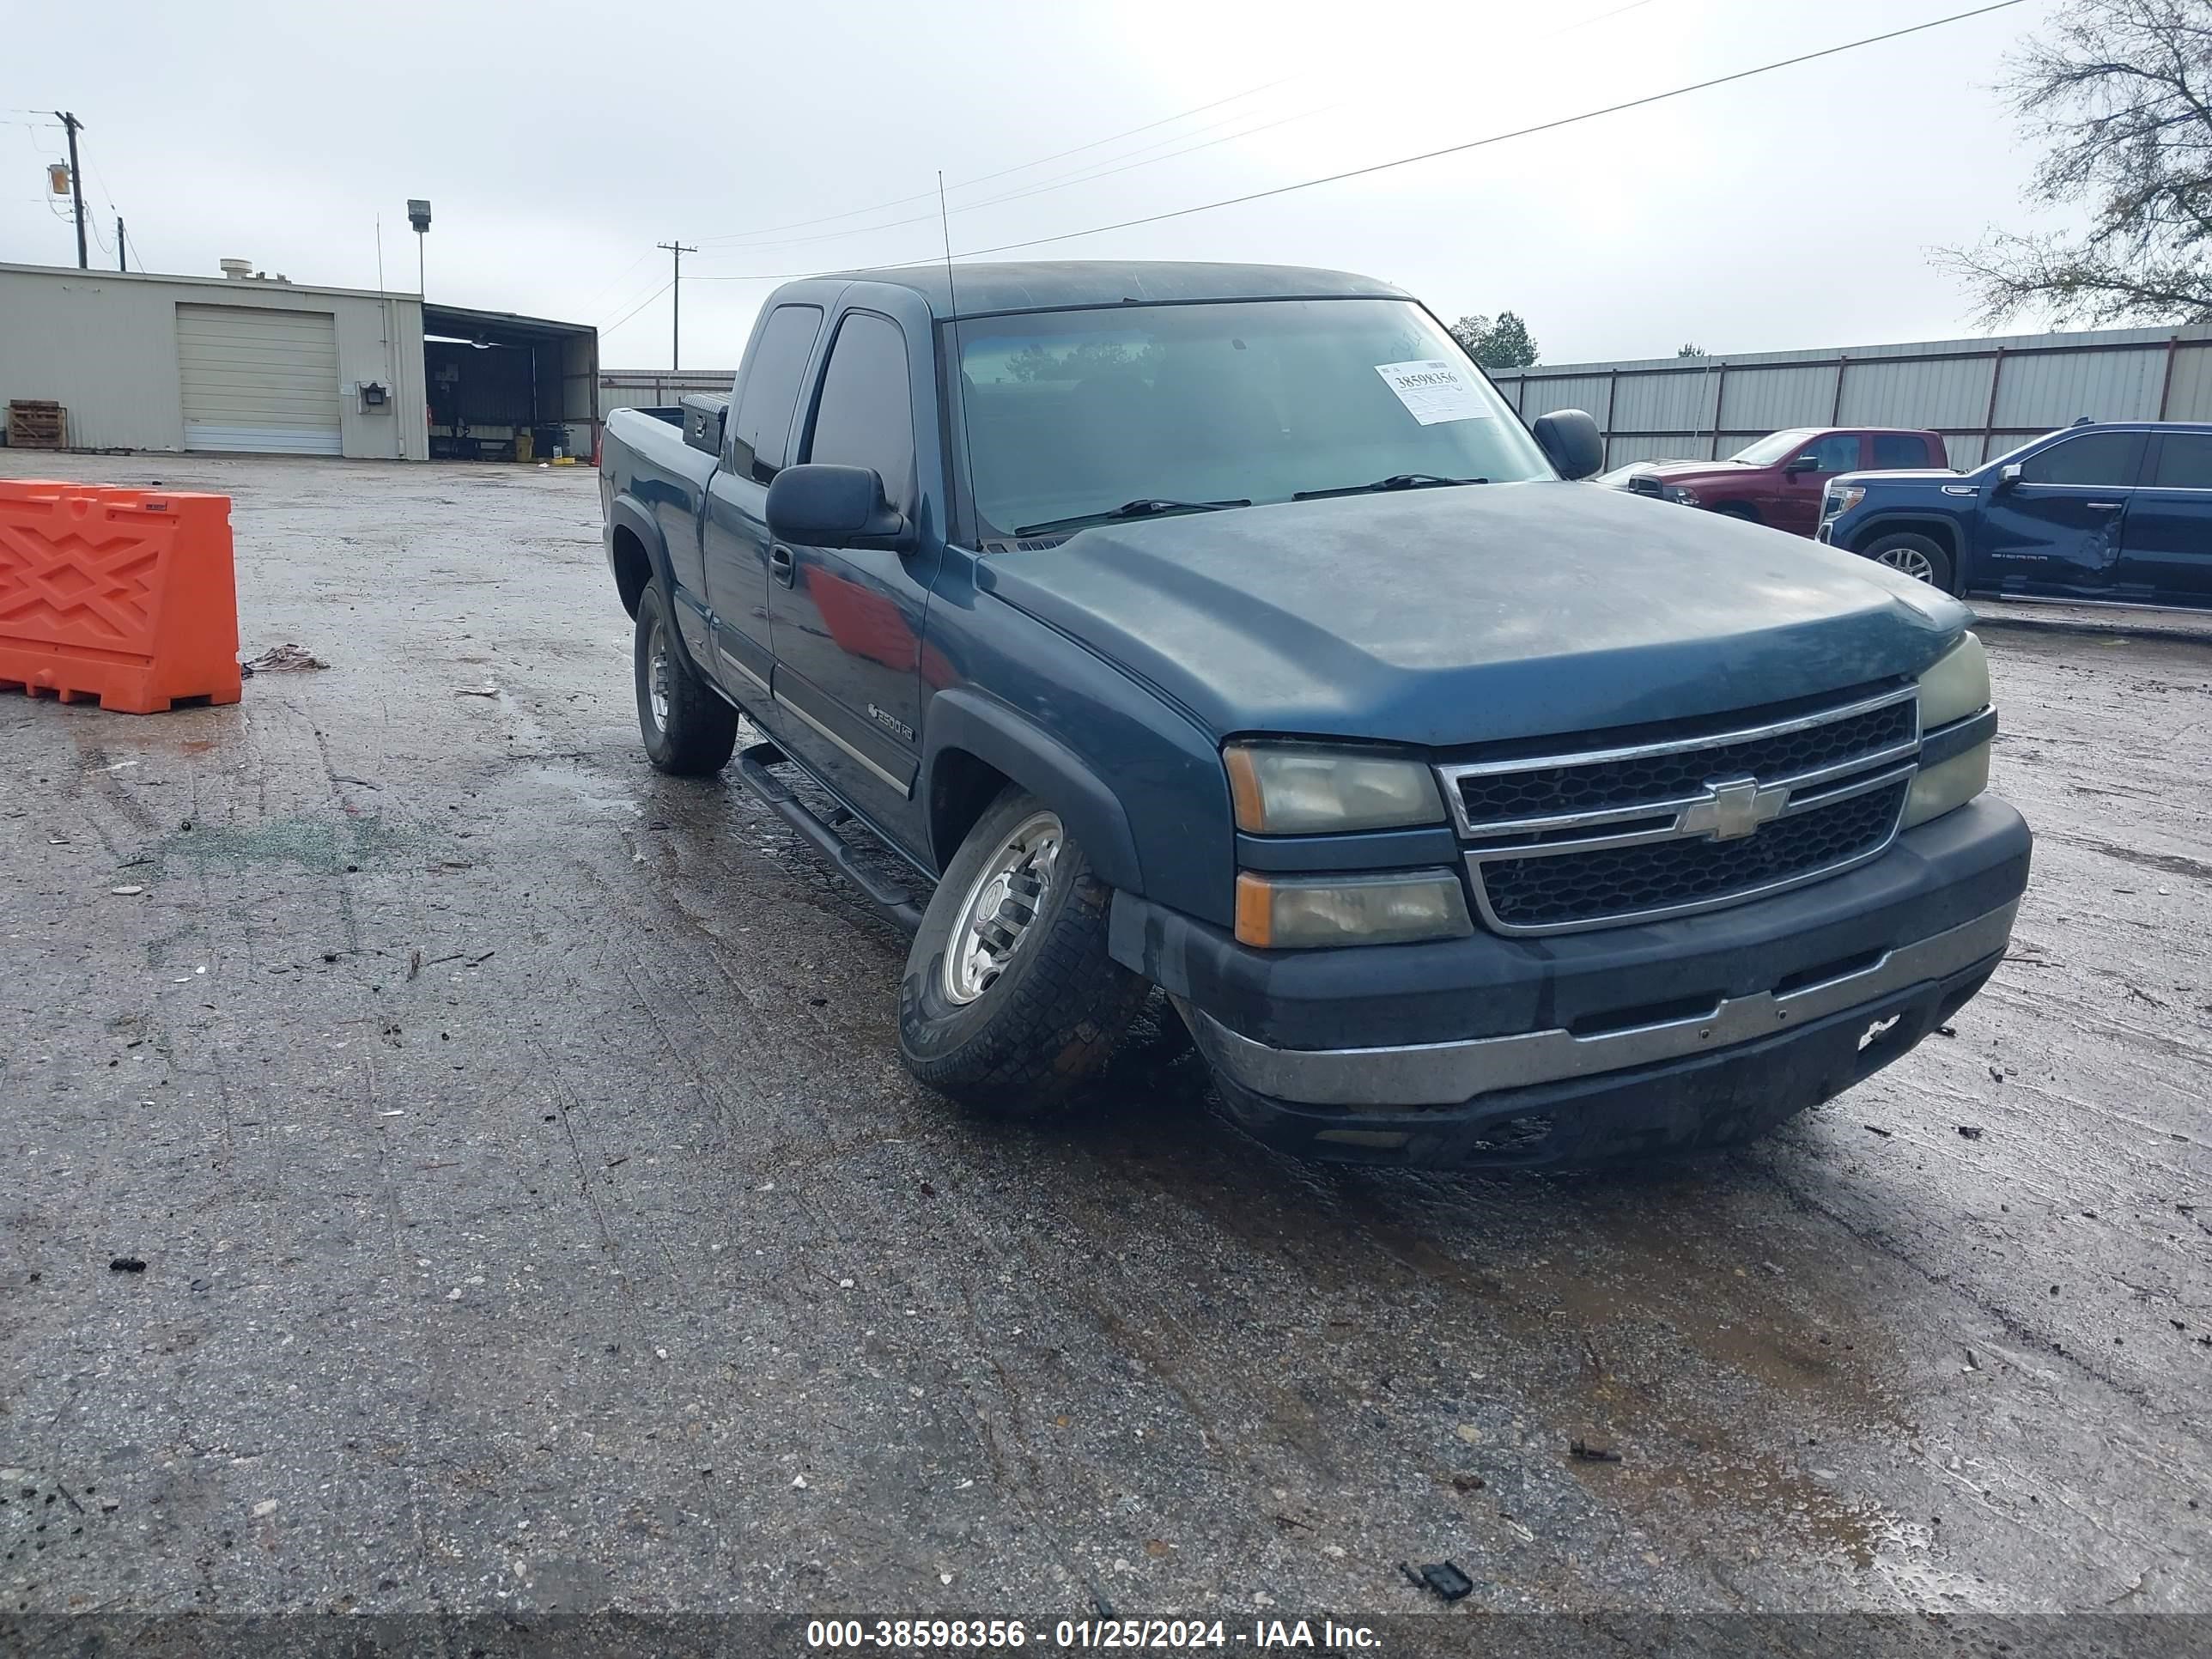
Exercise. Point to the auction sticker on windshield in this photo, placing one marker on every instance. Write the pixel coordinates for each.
(1434, 390)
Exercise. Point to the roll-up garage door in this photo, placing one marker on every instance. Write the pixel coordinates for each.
(258, 379)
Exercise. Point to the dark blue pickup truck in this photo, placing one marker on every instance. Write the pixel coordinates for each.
(1220, 628)
(2116, 512)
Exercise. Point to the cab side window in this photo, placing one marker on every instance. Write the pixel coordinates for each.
(866, 416)
(1894, 451)
(2184, 462)
(1836, 452)
(2096, 460)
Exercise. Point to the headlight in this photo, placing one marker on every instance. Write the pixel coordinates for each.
(1285, 913)
(1686, 497)
(1955, 689)
(1842, 498)
(1281, 789)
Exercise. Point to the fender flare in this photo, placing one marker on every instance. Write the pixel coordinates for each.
(997, 735)
(1913, 522)
(626, 512)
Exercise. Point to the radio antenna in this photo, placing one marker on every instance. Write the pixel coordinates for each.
(959, 378)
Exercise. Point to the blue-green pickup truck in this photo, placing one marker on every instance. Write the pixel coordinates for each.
(1220, 628)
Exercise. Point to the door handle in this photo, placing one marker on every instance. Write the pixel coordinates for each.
(2104, 507)
(780, 564)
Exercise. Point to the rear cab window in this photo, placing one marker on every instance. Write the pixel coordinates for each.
(1895, 452)
(2184, 462)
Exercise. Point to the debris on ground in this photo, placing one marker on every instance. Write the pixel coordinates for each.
(1873, 1130)
(1444, 1577)
(125, 1264)
(1996, 1074)
(286, 659)
(129, 891)
(1947, 1031)
(1970, 1131)
(1469, 1483)
(487, 690)
(1593, 1452)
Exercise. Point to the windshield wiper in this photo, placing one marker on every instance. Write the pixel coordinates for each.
(1396, 481)
(1143, 507)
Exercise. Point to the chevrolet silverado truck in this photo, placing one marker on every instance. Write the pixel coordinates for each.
(1220, 630)
(2120, 512)
(1778, 480)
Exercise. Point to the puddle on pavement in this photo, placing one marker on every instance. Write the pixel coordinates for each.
(324, 846)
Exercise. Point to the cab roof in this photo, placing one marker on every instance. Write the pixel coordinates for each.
(1062, 284)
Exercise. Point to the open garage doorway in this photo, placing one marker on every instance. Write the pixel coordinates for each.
(502, 387)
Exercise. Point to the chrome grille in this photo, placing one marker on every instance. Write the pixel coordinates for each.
(1559, 843)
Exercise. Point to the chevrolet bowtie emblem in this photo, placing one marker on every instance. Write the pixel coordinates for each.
(1733, 808)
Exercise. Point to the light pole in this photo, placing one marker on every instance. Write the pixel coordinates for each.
(418, 214)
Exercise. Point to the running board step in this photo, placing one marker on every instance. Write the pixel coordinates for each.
(895, 902)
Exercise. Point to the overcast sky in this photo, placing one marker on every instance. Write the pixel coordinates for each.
(558, 141)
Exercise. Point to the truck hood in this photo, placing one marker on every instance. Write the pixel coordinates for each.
(1929, 477)
(1457, 616)
(1688, 471)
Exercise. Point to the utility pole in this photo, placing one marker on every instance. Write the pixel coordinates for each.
(676, 308)
(121, 262)
(76, 185)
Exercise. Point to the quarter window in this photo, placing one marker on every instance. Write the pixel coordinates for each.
(760, 434)
(2096, 460)
(867, 414)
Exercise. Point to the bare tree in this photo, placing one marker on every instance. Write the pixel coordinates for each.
(2121, 93)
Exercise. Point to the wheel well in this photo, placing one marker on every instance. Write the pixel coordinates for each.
(633, 569)
(1943, 534)
(961, 788)
(1742, 510)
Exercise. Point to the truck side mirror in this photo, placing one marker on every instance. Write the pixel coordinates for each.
(1802, 464)
(2007, 477)
(819, 504)
(1570, 441)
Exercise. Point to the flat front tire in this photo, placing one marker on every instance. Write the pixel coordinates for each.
(689, 732)
(1010, 1002)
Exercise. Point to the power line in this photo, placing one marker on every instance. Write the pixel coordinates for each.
(1107, 168)
(1427, 156)
(609, 328)
(986, 177)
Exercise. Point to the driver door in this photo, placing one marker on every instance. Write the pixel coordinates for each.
(1796, 506)
(2057, 527)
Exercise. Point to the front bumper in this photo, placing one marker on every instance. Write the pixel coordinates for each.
(1562, 1049)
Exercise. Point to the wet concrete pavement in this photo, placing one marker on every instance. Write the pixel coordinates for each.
(536, 1214)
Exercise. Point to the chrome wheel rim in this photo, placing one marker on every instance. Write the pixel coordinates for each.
(656, 677)
(1910, 562)
(998, 912)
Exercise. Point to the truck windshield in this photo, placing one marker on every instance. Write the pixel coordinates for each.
(1078, 415)
(1773, 447)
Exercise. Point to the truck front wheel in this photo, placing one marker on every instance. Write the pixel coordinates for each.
(1010, 1002)
(689, 731)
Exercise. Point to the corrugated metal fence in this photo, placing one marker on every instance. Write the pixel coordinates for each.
(1983, 396)
(657, 388)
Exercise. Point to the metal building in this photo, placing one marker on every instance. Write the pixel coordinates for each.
(249, 363)
(1983, 396)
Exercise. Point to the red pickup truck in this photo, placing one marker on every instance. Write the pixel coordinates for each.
(1778, 480)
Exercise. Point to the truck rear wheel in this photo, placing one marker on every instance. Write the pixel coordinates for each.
(1917, 557)
(689, 732)
(1010, 1002)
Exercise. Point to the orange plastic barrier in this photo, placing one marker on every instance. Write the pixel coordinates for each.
(125, 595)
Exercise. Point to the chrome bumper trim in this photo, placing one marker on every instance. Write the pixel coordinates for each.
(1449, 1073)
